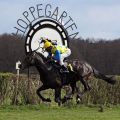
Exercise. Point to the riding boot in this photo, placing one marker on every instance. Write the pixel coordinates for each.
(64, 69)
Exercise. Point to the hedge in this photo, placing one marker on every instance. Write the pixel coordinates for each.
(24, 91)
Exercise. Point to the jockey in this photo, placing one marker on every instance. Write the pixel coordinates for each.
(57, 52)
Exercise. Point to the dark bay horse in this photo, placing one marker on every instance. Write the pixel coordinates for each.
(52, 78)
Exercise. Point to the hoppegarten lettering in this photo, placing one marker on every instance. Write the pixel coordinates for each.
(39, 12)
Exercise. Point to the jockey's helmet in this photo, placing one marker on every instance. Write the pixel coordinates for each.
(47, 44)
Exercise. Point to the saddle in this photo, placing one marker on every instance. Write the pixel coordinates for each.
(62, 69)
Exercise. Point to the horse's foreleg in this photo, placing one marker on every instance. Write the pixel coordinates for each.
(85, 84)
(39, 94)
(83, 81)
(58, 96)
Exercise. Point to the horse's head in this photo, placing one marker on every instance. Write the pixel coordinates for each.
(30, 60)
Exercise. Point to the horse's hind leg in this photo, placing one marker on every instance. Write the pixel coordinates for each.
(58, 96)
(69, 92)
(79, 95)
(39, 94)
(78, 92)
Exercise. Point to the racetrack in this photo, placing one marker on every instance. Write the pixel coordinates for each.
(46, 112)
(106, 95)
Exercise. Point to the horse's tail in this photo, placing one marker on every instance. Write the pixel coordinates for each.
(99, 75)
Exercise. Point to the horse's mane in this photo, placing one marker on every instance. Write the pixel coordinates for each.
(42, 56)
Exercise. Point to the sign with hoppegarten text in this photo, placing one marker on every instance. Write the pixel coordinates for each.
(45, 21)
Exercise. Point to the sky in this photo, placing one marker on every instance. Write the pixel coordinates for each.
(94, 18)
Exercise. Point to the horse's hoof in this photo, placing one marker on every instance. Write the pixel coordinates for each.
(48, 100)
(59, 103)
(78, 100)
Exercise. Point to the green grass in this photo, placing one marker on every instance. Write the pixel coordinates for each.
(46, 112)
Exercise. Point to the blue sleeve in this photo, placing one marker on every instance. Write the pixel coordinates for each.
(57, 55)
(50, 54)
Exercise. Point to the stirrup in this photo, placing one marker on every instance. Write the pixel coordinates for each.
(63, 71)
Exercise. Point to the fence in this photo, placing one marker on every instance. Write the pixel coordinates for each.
(25, 93)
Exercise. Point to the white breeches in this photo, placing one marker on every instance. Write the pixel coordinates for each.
(64, 55)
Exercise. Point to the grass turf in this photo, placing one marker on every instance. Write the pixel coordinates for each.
(46, 112)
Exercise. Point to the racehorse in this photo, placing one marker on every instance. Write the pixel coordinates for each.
(52, 78)
(85, 70)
